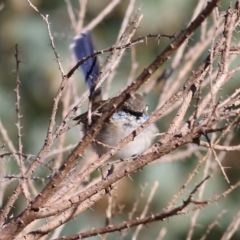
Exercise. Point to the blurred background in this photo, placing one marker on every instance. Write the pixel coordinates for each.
(40, 79)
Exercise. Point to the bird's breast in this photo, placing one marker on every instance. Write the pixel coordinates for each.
(118, 127)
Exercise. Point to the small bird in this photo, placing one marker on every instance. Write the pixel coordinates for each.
(131, 115)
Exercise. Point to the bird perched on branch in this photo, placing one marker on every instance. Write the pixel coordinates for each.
(124, 121)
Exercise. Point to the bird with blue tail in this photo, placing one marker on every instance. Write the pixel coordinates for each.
(124, 121)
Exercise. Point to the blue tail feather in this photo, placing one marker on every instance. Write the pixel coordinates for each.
(83, 47)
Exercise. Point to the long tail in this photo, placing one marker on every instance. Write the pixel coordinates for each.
(83, 47)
